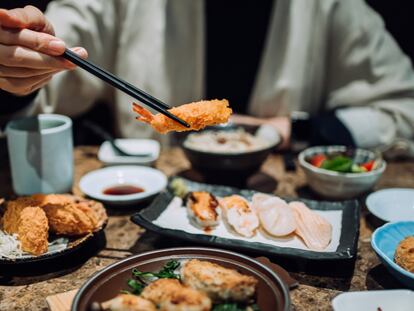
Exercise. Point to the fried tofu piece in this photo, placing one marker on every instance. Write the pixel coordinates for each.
(219, 283)
(404, 254)
(171, 295)
(197, 114)
(33, 230)
(127, 302)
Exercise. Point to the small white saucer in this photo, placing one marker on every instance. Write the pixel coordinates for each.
(109, 156)
(395, 204)
(385, 300)
(95, 183)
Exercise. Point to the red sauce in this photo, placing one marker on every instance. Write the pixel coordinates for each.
(208, 230)
(123, 190)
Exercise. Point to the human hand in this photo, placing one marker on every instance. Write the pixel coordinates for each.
(281, 124)
(29, 51)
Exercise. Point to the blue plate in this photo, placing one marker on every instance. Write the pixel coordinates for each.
(385, 241)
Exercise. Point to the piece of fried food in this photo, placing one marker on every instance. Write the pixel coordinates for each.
(33, 230)
(128, 302)
(70, 215)
(219, 283)
(404, 254)
(171, 295)
(198, 115)
(11, 217)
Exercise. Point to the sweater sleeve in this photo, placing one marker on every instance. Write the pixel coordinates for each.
(370, 82)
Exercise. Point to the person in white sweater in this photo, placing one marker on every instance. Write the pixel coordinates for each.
(331, 60)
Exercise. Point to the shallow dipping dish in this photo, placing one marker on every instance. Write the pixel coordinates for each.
(385, 240)
(395, 204)
(337, 185)
(95, 183)
(273, 294)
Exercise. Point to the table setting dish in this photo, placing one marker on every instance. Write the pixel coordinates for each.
(338, 172)
(253, 230)
(393, 204)
(230, 152)
(377, 300)
(394, 245)
(141, 152)
(123, 185)
(251, 280)
(40, 228)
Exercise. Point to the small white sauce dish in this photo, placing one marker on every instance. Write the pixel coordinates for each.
(109, 156)
(384, 300)
(395, 204)
(94, 184)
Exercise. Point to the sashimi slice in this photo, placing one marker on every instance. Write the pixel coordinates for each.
(239, 215)
(275, 215)
(314, 230)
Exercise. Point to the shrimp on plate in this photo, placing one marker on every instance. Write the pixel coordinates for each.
(198, 115)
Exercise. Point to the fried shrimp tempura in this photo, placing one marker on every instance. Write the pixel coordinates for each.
(33, 230)
(198, 115)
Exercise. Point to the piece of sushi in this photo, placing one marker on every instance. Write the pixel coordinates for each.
(202, 209)
(275, 215)
(239, 215)
(219, 283)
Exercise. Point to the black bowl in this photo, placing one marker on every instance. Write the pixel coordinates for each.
(228, 168)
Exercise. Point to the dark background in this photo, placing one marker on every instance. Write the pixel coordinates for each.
(397, 14)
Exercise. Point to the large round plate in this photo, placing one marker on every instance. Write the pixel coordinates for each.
(396, 204)
(151, 180)
(273, 294)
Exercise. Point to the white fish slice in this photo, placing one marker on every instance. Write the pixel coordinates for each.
(275, 215)
(314, 230)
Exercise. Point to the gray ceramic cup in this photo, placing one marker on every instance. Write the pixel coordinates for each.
(41, 154)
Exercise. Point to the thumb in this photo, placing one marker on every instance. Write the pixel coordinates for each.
(28, 17)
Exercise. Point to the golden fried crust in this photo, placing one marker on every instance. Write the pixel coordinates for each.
(197, 114)
(11, 216)
(171, 295)
(128, 302)
(219, 283)
(404, 254)
(33, 230)
(71, 219)
(71, 215)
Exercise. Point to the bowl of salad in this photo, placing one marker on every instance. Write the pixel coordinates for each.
(338, 172)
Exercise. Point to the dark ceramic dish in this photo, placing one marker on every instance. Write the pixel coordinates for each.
(228, 166)
(346, 249)
(273, 294)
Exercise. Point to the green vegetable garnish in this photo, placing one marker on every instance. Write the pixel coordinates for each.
(136, 286)
(338, 164)
(235, 307)
(141, 279)
(167, 272)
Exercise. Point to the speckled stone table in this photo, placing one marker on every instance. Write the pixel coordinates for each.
(124, 238)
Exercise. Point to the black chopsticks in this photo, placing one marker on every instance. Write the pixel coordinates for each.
(122, 85)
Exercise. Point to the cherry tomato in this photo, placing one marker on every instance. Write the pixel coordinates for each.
(317, 160)
(368, 165)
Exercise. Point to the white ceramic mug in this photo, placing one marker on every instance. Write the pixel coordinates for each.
(41, 154)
